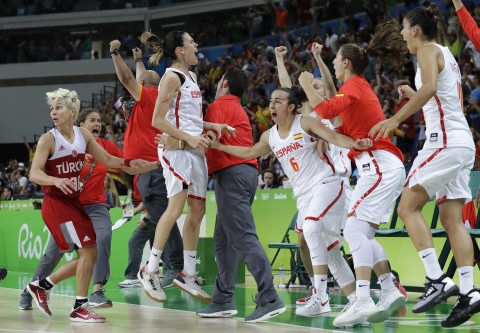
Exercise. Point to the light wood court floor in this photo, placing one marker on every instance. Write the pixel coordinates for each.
(133, 311)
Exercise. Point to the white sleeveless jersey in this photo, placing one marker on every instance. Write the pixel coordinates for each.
(185, 112)
(66, 161)
(446, 125)
(342, 163)
(299, 158)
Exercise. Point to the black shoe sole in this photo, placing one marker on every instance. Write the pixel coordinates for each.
(443, 297)
(464, 316)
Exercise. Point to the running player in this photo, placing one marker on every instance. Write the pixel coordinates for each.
(56, 165)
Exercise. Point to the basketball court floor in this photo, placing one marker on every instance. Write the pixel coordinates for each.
(133, 311)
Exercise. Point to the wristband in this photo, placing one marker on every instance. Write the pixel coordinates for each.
(114, 52)
(127, 162)
(139, 60)
(180, 146)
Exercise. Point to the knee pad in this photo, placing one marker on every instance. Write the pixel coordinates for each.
(356, 234)
(378, 252)
(339, 268)
(316, 244)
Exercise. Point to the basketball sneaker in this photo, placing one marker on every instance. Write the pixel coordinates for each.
(170, 275)
(266, 311)
(396, 282)
(191, 285)
(314, 307)
(151, 284)
(41, 297)
(436, 291)
(466, 306)
(25, 300)
(129, 283)
(387, 305)
(304, 300)
(99, 300)
(356, 312)
(3, 273)
(217, 310)
(84, 315)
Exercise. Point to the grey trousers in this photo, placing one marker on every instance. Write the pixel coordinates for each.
(235, 235)
(103, 230)
(151, 186)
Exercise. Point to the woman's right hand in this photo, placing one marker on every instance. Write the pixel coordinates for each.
(280, 51)
(405, 91)
(198, 142)
(317, 49)
(66, 185)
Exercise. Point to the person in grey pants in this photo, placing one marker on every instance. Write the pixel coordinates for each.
(236, 182)
(151, 186)
(101, 272)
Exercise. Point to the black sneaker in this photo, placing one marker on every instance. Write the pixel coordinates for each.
(466, 306)
(25, 301)
(436, 291)
(3, 273)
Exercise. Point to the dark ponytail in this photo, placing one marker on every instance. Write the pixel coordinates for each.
(425, 17)
(296, 96)
(161, 47)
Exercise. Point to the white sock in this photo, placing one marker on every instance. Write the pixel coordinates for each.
(465, 274)
(430, 261)
(154, 260)
(190, 262)
(321, 286)
(386, 282)
(351, 297)
(363, 288)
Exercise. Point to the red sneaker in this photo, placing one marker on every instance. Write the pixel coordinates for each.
(399, 287)
(84, 315)
(40, 296)
(304, 300)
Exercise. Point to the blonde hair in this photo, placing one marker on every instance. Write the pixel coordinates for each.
(70, 97)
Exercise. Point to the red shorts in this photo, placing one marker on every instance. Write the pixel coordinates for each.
(68, 223)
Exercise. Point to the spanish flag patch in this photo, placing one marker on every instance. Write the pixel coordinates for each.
(339, 95)
(297, 136)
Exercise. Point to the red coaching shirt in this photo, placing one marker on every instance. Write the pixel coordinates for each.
(358, 106)
(93, 188)
(470, 26)
(228, 110)
(139, 141)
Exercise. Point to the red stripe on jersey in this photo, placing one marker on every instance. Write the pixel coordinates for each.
(328, 208)
(177, 107)
(366, 194)
(330, 163)
(195, 197)
(442, 120)
(331, 246)
(423, 164)
(442, 199)
(173, 170)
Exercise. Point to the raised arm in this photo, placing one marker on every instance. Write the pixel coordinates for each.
(260, 148)
(305, 80)
(283, 77)
(139, 65)
(315, 126)
(124, 74)
(468, 23)
(330, 89)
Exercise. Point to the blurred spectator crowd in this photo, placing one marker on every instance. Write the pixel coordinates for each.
(257, 60)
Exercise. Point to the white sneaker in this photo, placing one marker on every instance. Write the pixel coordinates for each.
(151, 284)
(388, 304)
(129, 283)
(191, 284)
(314, 307)
(356, 312)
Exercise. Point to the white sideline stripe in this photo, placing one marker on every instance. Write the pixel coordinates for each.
(73, 233)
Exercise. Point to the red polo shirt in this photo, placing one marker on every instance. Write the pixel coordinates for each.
(228, 110)
(139, 141)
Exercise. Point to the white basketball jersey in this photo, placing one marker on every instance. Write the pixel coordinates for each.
(298, 156)
(185, 112)
(446, 125)
(66, 161)
(343, 165)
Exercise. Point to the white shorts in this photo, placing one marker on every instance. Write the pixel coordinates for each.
(184, 167)
(374, 196)
(325, 204)
(348, 199)
(444, 173)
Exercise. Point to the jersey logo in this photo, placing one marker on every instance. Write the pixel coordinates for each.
(187, 87)
(61, 148)
(74, 153)
(366, 167)
(433, 137)
(86, 239)
(298, 136)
